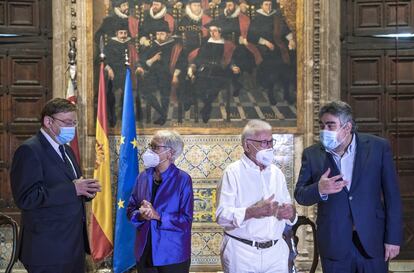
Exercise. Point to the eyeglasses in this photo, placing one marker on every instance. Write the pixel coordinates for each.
(264, 143)
(67, 123)
(156, 147)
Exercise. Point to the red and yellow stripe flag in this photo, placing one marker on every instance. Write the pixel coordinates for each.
(101, 224)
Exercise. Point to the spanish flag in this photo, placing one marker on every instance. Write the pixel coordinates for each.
(101, 223)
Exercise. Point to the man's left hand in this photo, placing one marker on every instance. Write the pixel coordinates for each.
(286, 211)
(391, 251)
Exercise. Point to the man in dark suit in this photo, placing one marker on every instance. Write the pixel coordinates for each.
(48, 187)
(352, 178)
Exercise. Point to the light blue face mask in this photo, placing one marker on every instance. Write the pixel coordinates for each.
(329, 139)
(66, 134)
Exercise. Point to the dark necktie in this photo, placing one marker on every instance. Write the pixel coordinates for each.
(66, 160)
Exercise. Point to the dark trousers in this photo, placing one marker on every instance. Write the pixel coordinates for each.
(77, 266)
(183, 267)
(357, 261)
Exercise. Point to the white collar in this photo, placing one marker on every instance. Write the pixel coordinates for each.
(235, 14)
(159, 15)
(120, 14)
(170, 40)
(52, 142)
(192, 15)
(119, 41)
(210, 40)
(260, 11)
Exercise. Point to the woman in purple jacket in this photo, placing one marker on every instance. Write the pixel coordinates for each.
(161, 208)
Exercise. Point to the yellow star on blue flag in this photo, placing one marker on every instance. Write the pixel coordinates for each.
(121, 204)
(134, 143)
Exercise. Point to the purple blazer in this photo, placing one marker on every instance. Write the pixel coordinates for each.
(174, 201)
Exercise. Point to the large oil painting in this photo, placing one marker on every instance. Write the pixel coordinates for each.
(201, 67)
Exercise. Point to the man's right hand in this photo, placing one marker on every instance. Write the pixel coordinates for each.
(139, 71)
(111, 74)
(263, 208)
(329, 185)
(87, 187)
(155, 58)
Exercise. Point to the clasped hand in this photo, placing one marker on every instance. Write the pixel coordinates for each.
(268, 207)
(147, 211)
(87, 187)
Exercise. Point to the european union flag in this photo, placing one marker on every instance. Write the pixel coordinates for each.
(124, 257)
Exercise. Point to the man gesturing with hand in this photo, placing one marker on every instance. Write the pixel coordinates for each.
(351, 177)
(254, 206)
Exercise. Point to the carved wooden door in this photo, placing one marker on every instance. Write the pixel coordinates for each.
(378, 82)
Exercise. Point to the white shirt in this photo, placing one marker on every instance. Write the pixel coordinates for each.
(345, 163)
(242, 185)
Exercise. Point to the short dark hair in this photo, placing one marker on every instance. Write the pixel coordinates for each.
(57, 105)
(339, 109)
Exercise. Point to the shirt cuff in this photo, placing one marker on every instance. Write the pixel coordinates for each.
(323, 196)
(262, 41)
(239, 215)
(134, 217)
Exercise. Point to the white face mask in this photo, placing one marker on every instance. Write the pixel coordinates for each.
(151, 159)
(329, 139)
(264, 157)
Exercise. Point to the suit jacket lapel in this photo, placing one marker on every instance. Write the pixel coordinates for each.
(54, 156)
(361, 157)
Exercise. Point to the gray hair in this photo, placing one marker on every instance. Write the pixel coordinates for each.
(253, 127)
(171, 139)
(341, 110)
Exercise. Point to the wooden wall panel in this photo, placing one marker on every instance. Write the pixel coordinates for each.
(366, 71)
(2, 13)
(404, 15)
(27, 71)
(368, 112)
(368, 16)
(3, 192)
(2, 70)
(3, 151)
(401, 110)
(404, 66)
(408, 250)
(379, 17)
(25, 108)
(23, 14)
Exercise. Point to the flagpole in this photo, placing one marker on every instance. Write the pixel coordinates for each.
(124, 258)
(71, 94)
(101, 217)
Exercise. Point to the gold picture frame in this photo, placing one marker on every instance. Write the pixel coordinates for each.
(293, 12)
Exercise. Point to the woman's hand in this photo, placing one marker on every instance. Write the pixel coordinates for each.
(148, 212)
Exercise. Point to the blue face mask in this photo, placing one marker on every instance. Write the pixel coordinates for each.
(329, 139)
(66, 134)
